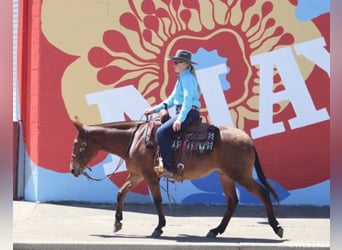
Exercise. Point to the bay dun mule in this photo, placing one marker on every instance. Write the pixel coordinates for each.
(234, 156)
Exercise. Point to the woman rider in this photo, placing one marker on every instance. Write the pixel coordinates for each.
(185, 96)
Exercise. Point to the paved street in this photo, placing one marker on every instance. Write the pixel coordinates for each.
(44, 226)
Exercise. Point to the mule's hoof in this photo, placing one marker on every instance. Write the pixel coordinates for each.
(156, 233)
(211, 234)
(117, 226)
(280, 232)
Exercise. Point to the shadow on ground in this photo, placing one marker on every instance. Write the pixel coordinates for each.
(281, 211)
(187, 238)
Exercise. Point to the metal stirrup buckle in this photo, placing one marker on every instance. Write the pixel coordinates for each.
(180, 168)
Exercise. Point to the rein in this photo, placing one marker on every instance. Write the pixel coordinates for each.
(107, 176)
(119, 163)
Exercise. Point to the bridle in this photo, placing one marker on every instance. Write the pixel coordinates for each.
(81, 158)
(84, 166)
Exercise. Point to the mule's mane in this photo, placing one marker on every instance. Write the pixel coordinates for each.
(119, 125)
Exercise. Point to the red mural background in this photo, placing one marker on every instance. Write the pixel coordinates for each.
(296, 159)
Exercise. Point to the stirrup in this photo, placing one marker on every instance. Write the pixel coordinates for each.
(180, 168)
(158, 169)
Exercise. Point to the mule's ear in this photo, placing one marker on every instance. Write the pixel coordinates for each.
(78, 124)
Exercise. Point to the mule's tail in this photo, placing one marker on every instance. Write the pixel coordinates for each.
(262, 176)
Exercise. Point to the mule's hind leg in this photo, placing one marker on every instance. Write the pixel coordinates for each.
(264, 195)
(132, 181)
(228, 186)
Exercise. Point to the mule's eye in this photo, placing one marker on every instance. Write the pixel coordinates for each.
(84, 144)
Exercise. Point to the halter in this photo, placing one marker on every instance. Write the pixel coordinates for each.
(82, 150)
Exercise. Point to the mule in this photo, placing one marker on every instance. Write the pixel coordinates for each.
(233, 156)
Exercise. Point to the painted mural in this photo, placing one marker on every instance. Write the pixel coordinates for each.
(264, 66)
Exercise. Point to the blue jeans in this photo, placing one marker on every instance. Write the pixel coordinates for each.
(165, 133)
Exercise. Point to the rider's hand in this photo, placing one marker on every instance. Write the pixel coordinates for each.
(149, 111)
(177, 125)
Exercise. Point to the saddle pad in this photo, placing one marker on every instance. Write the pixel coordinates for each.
(199, 139)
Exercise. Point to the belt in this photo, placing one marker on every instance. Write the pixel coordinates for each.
(179, 107)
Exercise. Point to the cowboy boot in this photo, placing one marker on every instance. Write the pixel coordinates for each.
(161, 171)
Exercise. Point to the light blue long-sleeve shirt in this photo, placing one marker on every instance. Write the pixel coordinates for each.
(185, 93)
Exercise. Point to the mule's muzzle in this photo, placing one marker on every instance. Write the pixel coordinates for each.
(76, 170)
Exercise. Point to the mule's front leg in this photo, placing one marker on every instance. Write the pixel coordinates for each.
(132, 181)
(155, 190)
(118, 213)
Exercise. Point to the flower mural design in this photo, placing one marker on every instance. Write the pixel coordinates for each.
(160, 29)
(130, 45)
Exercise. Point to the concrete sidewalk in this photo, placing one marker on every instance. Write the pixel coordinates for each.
(46, 226)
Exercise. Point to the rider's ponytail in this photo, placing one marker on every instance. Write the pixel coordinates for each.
(193, 72)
